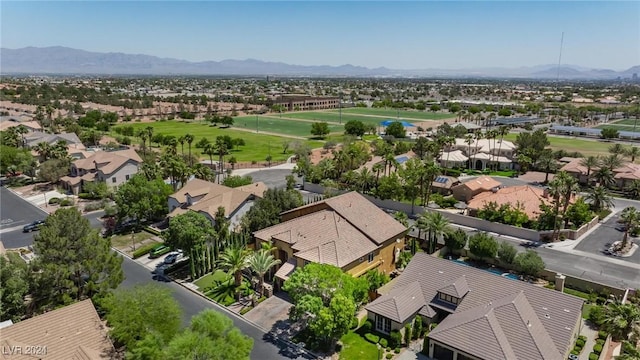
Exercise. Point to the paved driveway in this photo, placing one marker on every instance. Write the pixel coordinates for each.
(271, 314)
(602, 237)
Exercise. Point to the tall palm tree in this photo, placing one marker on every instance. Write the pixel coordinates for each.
(44, 150)
(612, 161)
(448, 142)
(599, 198)
(633, 189)
(210, 150)
(435, 225)
(365, 180)
(189, 139)
(502, 131)
(144, 136)
(605, 177)
(477, 137)
(562, 188)
(235, 259)
(622, 321)
(590, 162)
(21, 130)
(181, 140)
(221, 149)
(468, 139)
(632, 152)
(617, 149)
(547, 163)
(377, 168)
(261, 262)
(630, 217)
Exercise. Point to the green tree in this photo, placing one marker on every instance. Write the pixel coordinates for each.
(14, 160)
(609, 133)
(211, 335)
(590, 162)
(599, 198)
(529, 263)
(396, 129)
(578, 213)
(52, 170)
(355, 128)
(532, 143)
(266, 211)
(506, 253)
(630, 217)
(73, 262)
(320, 129)
(483, 245)
(140, 198)
(235, 259)
(632, 152)
(435, 225)
(14, 277)
(237, 180)
(456, 240)
(188, 231)
(376, 279)
(261, 262)
(135, 313)
(622, 321)
(96, 189)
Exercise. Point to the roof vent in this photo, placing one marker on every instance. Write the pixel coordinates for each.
(547, 316)
(545, 308)
(528, 323)
(440, 272)
(567, 310)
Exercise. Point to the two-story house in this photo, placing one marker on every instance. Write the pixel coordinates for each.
(112, 167)
(347, 231)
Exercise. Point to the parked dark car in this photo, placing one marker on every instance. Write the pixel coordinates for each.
(34, 226)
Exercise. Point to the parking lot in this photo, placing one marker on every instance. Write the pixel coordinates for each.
(603, 236)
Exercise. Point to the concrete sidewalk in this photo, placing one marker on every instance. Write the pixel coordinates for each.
(285, 166)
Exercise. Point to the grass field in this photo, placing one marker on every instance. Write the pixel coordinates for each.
(257, 147)
(281, 126)
(586, 147)
(208, 280)
(393, 113)
(624, 122)
(617, 127)
(332, 117)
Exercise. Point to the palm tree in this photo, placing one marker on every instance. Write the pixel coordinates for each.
(562, 188)
(617, 149)
(221, 149)
(261, 262)
(435, 225)
(189, 139)
(632, 152)
(502, 131)
(633, 189)
(448, 142)
(612, 161)
(622, 321)
(630, 217)
(365, 179)
(604, 177)
(599, 198)
(210, 150)
(590, 162)
(44, 150)
(181, 140)
(21, 130)
(144, 136)
(235, 259)
(547, 163)
(468, 139)
(377, 168)
(477, 136)
(401, 217)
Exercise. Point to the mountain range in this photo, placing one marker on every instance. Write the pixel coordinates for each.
(64, 60)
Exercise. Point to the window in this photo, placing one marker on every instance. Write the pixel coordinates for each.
(113, 179)
(383, 324)
(371, 257)
(126, 177)
(448, 298)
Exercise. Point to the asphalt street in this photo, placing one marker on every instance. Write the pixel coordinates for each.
(264, 347)
(603, 237)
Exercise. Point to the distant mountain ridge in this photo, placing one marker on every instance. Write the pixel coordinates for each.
(64, 60)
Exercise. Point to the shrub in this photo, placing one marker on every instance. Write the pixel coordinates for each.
(407, 334)
(577, 293)
(396, 350)
(66, 202)
(354, 323)
(597, 348)
(151, 230)
(600, 341)
(583, 338)
(84, 196)
(602, 334)
(367, 326)
(372, 338)
(417, 327)
(395, 338)
(245, 310)
(144, 250)
(54, 201)
(92, 206)
(383, 342)
(389, 356)
(576, 350)
(594, 356)
(580, 342)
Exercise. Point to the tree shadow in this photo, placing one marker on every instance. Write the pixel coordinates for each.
(278, 335)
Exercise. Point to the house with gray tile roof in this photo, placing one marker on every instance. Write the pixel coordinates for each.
(480, 315)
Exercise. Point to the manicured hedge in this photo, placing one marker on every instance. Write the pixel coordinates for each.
(66, 202)
(577, 293)
(594, 356)
(54, 201)
(383, 342)
(602, 334)
(372, 338)
(597, 348)
(144, 249)
(151, 230)
(580, 342)
(389, 356)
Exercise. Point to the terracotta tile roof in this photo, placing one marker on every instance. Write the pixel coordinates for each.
(215, 195)
(364, 215)
(495, 314)
(574, 166)
(485, 183)
(526, 196)
(72, 332)
(628, 171)
(322, 237)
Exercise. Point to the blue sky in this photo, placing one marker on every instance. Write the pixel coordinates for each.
(400, 35)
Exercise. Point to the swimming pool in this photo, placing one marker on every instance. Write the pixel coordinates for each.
(491, 270)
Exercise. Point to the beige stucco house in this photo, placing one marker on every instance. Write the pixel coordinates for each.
(112, 167)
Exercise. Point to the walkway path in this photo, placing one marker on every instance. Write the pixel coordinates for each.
(591, 335)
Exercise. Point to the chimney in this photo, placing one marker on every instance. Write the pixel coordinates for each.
(560, 282)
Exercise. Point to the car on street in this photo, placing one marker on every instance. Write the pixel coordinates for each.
(159, 251)
(34, 226)
(172, 257)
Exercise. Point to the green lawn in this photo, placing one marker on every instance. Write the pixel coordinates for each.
(274, 124)
(617, 127)
(356, 347)
(585, 310)
(207, 280)
(586, 147)
(257, 147)
(393, 113)
(331, 117)
(125, 239)
(625, 122)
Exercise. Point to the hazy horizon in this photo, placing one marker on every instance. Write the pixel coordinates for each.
(396, 35)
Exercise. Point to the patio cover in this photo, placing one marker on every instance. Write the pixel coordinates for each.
(286, 269)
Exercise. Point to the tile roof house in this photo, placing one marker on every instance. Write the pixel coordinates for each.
(205, 197)
(481, 315)
(74, 332)
(347, 231)
(623, 175)
(526, 197)
(473, 187)
(483, 152)
(112, 167)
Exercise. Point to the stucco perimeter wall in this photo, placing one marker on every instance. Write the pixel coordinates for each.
(480, 224)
